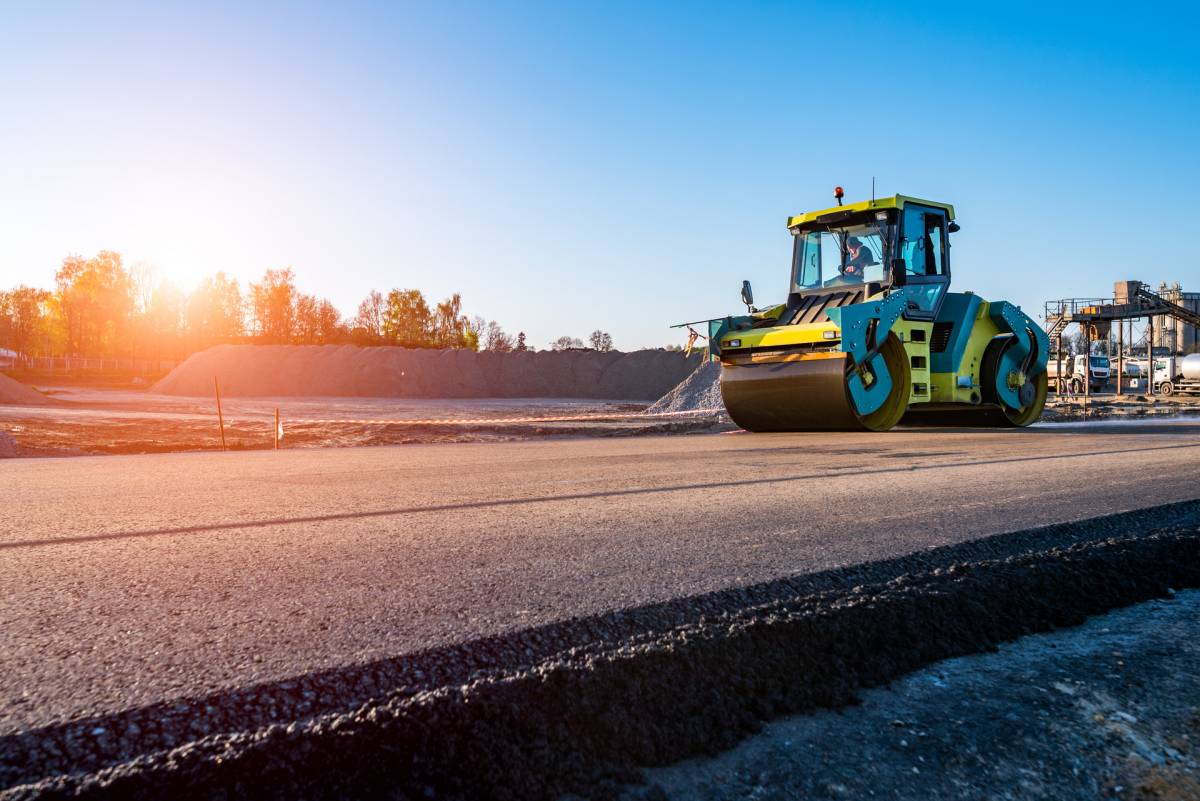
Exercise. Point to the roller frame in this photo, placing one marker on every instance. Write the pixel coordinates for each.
(1030, 341)
(854, 321)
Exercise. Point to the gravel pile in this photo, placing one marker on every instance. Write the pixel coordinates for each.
(347, 370)
(572, 707)
(16, 393)
(700, 391)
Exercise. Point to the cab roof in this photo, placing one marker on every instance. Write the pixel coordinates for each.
(893, 202)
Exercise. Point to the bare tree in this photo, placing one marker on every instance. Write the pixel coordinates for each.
(477, 329)
(370, 316)
(565, 343)
(329, 321)
(495, 338)
(601, 341)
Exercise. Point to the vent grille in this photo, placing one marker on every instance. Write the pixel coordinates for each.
(941, 337)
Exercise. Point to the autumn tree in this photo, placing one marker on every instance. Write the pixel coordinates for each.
(26, 316)
(451, 328)
(273, 305)
(215, 312)
(161, 322)
(304, 317)
(406, 319)
(96, 301)
(521, 346)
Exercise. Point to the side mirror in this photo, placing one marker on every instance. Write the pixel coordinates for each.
(954, 227)
(747, 295)
(899, 272)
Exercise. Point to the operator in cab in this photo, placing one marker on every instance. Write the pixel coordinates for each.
(859, 257)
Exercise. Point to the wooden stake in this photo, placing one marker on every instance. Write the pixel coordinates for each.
(220, 416)
(276, 428)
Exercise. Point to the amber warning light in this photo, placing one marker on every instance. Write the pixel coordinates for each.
(839, 193)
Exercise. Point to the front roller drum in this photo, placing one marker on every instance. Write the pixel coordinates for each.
(811, 394)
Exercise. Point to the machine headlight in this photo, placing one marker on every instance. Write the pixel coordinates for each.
(733, 343)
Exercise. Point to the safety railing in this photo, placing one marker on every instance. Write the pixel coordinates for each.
(74, 364)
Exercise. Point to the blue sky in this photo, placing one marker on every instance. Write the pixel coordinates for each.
(573, 166)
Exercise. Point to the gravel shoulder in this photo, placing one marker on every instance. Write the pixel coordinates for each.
(1110, 709)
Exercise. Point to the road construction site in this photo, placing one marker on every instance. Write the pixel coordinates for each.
(531, 619)
(77, 421)
(532, 591)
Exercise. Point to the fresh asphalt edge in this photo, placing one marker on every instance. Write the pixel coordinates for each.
(579, 719)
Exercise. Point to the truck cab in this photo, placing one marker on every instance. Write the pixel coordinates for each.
(1094, 369)
(1175, 374)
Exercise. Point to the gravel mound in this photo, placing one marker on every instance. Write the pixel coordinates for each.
(700, 391)
(16, 393)
(348, 370)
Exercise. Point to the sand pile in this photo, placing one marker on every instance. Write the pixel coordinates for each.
(700, 390)
(15, 392)
(348, 370)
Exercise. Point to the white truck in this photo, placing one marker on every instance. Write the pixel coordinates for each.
(1075, 371)
(1177, 374)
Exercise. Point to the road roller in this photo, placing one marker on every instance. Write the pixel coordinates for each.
(871, 335)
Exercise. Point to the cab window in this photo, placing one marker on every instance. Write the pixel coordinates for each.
(923, 245)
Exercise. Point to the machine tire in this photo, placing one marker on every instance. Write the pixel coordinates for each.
(1166, 388)
(1076, 386)
(1018, 418)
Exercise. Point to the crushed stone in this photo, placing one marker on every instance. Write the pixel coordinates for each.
(349, 370)
(700, 391)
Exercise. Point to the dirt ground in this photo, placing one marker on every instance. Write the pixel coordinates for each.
(91, 420)
(94, 420)
(1110, 405)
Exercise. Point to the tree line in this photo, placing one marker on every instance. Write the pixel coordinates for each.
(99, 307)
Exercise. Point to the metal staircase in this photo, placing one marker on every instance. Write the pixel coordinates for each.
(1160, 305)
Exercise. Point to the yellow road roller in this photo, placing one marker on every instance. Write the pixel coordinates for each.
(870, 335)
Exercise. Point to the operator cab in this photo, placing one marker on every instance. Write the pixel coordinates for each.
(847, 254)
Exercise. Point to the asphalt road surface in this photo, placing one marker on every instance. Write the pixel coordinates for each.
(126, 581)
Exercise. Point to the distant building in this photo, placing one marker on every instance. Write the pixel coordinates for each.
(1176, 335)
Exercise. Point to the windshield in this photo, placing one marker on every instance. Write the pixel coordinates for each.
(839, 256)
(1099, 361)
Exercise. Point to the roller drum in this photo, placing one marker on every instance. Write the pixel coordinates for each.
(810, 394)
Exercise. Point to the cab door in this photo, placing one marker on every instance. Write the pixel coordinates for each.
(924, 246)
